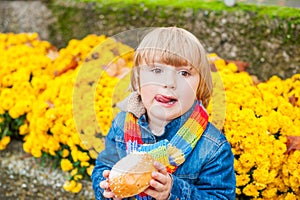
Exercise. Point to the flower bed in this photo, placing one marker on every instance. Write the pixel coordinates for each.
(38, 84)
(260, 120)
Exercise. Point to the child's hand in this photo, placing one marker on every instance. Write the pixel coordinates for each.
(161, 184)
(104, 185)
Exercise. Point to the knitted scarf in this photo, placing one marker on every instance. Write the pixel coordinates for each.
(170, 153)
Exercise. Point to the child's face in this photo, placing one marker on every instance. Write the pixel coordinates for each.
(167, 92)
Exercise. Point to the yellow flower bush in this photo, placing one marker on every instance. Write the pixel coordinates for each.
(96, 91)
(259, 117)
(22, 58)
(52, 128)
(62, 102)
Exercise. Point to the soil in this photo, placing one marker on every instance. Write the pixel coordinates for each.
(23, 177)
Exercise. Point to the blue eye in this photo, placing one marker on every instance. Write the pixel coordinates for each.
(156, 70)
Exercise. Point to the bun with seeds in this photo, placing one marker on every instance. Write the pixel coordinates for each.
(131, 175)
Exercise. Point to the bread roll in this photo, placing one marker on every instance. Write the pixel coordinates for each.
(131, 175)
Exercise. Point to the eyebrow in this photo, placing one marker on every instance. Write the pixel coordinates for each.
(163, 64)
(190, 68)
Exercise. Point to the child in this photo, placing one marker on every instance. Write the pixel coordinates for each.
(165, 116)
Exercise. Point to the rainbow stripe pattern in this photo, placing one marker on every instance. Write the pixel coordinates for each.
(170, 153)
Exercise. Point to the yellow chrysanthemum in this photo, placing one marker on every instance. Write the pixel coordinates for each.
(251, 190)
(77, 188)
(66, 165)
(69, 185)
(4, 142)
(65, 153)
(84, 164)
(89, 170)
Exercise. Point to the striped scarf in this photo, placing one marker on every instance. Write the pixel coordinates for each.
(170, 153)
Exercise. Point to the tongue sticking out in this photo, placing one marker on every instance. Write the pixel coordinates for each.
(164, 99)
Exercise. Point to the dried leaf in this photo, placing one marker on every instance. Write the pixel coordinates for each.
(213, 67)
(115, 51)
(293, 143)
(118, 69)
(293, 100)
(112, 70)
(72, 65)
(53, 54)
(51, 105)
(240, 64)
(255, 80)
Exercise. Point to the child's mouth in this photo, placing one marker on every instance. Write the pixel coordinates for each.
(165, 99)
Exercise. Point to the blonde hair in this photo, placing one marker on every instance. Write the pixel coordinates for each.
(176, 47)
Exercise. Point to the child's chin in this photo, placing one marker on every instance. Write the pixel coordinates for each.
(165, 114)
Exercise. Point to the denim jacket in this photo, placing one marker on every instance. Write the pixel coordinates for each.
(207, 173)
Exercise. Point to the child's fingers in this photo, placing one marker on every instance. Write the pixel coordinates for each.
(150, 192)
(161, 175)
(105, 173)
(161, 184)
(157, 190)
(160, 167)
(159, 178)
(157, 185)
(104, 185)
(108, 194)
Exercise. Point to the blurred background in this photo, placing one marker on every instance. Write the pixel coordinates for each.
(263, 33)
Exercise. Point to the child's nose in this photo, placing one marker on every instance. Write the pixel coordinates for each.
(170, 80)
